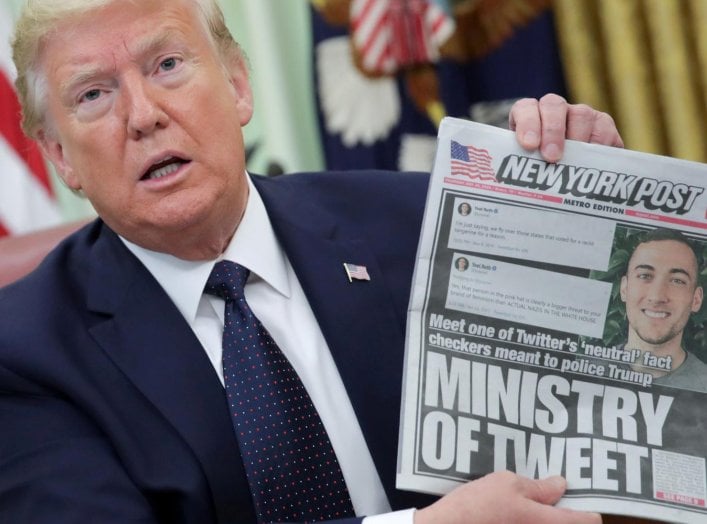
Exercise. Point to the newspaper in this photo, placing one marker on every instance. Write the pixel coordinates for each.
(539, 339)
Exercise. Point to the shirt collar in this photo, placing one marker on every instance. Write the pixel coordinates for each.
(254, 245)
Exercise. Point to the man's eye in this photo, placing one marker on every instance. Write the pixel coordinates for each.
(91, 95)
(168, 64)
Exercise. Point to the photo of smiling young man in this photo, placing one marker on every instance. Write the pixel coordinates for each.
(661, 290)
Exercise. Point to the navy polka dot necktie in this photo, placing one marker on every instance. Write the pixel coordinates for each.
(292, 470)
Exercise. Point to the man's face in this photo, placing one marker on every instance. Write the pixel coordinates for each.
(145, 118)
(660, 291)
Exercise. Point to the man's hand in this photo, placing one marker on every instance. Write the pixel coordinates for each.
(547, 122)
(504, 498)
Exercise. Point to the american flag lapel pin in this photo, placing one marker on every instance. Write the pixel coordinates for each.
(356, 272)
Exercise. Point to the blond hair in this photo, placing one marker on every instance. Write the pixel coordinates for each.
(39, 19)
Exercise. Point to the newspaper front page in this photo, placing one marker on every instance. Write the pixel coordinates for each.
(556, 325)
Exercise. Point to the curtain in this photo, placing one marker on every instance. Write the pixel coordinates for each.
(645, 63)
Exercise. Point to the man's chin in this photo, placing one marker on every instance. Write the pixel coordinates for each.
(656, 339)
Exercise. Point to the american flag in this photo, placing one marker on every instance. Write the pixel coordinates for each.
(471, 162)
(27, 200)
(392, 34)
(356, 272)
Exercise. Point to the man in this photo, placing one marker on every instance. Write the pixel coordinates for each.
(661, 289)
(461, 263)
(113, 406)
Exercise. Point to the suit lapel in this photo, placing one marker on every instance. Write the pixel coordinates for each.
(146, 336)
(359, 323)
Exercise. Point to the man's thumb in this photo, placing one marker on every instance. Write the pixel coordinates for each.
(549, 490)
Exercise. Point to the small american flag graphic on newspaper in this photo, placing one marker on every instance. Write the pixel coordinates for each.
(356, 272)
(471, 162)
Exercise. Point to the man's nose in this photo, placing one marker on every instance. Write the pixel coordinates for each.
(658, 292)
(144, 113)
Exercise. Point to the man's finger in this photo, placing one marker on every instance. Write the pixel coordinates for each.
(546, 492)
(605, 131)
(524, 119)
(589, 125)
(553, 116)
(581, 120)
(552, 515)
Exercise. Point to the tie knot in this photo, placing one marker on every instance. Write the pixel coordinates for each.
(227, 280)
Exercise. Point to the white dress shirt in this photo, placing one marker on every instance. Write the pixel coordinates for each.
(277, 299)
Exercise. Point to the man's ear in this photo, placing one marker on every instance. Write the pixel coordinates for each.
(54, 151)
(237, 72)
(697, 299)
(622, 289)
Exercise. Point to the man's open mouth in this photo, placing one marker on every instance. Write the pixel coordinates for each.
(656, 314)
(163, 168)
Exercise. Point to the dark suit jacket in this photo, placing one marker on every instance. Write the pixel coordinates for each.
(110, 410)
